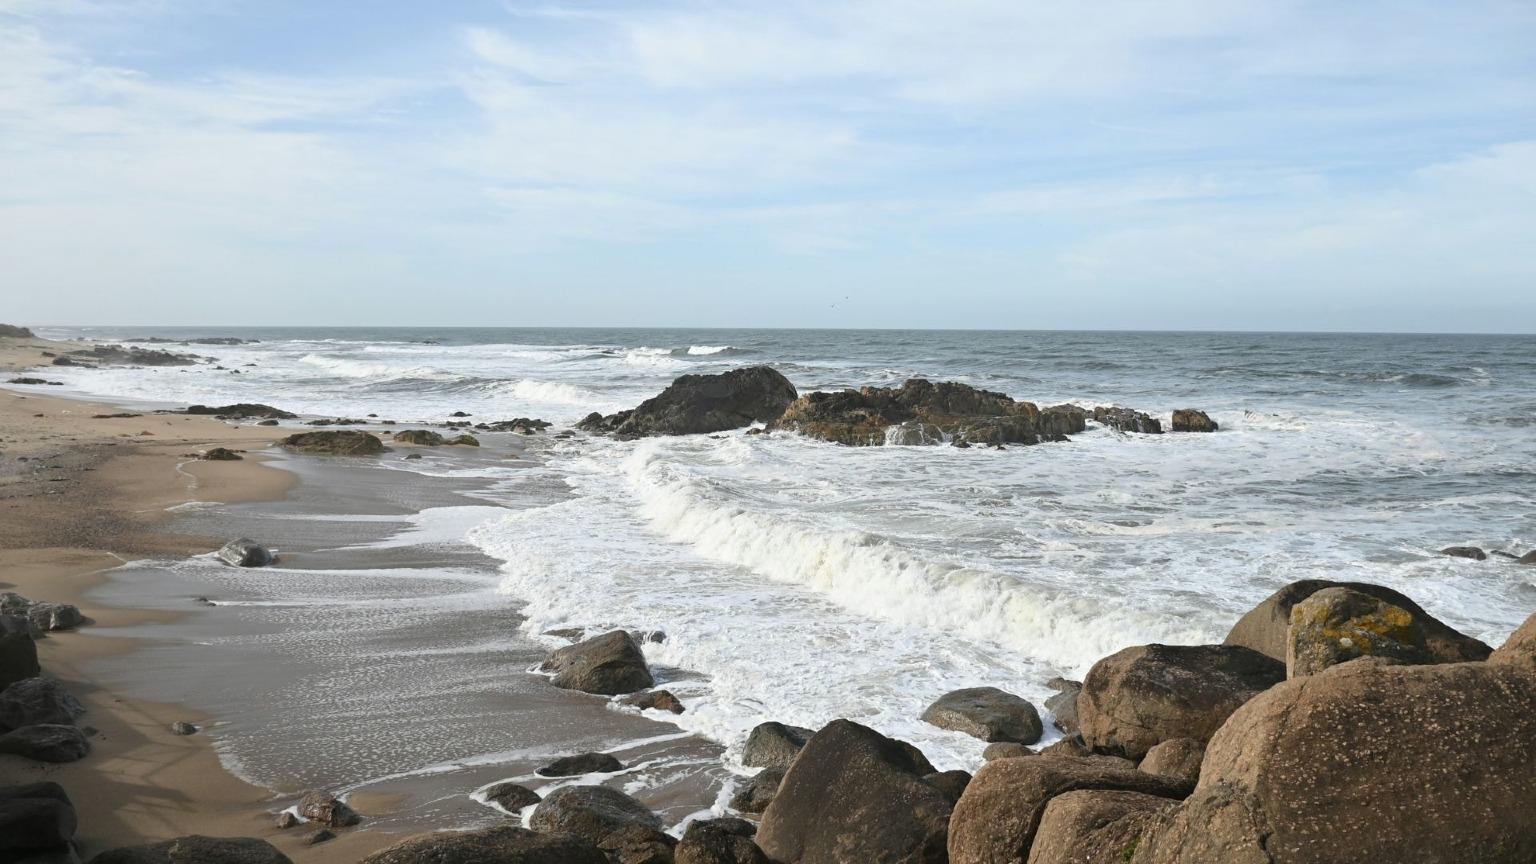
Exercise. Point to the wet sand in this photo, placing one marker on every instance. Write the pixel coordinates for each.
(372, 659)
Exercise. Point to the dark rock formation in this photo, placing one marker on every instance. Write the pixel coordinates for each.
(1095, 825)
(922, 412)
(519, 425)
(1368, 761)
(1063, 706)
(511, 797)
(856, 795)
(335, 443)
(1148, 694)
(18, 653)
(196, 849)
(35, 819)
(241, 411)
(774, 745)
(503, 844)
(697, 404)
(1264, 628)
(719, 841)
(244, 552)
(1471, 552)
(221, 454)
(1190, 420)
(128, 355)
(986, 713)
(1127, 420)
(46, 742)
(1336, 625)
(326, 809)
(638, 844)
(589, 813)
(951, 783)
(419, 437)
(34, 381)
(655, 700)
(1178, 758)
(51, 617)
(610, 665)
(584, 763)
(757, 793)
(11, 331)
(37, 701)
(182, 727)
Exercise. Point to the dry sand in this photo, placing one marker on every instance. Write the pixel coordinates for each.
(79, 492)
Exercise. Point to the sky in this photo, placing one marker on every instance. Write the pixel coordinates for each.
(1181, 164)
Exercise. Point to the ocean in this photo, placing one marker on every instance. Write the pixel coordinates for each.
(802, 581)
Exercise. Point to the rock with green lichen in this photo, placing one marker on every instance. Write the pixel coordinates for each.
(1336, 625)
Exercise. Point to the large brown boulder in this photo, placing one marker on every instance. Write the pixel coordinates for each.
(197, 849)
(856, 795)
(1264, 628)
(696, 404)
(719, 841)
(589, 813)
(1193, 420)
(335, 442)
(610, 665)
(1368, 761)
(639, 844)
(1128, 420)
(1179, 758)
(34, 818)
(1148, 694)
(37, 700)
(503, 844)
(922, 412)
(986, 713)
(774, 745)
(46, 742)
(997, 818)
(1336, 625)
(18, 653)
(1095, 825)
(1520, 647)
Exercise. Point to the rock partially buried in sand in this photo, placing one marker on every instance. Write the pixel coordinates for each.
(511, 797)
(1148, 694)
(1265, 627)
(856, 795)
(1336, 625)
(46, 742)
(774, 745)
(419, 437)
(37, 701)
(52, 617)
(589, 813)
(584, 763)
(182, 727)
(326, 809)
(18, 653)
(1191, 420)
(245, 552)
(698, 404)
(196, 849)
(335, 442)
(609, 665)
(35, 817)
(221, 454)
(986, 713)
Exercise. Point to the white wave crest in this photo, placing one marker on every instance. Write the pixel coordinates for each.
(547, 391)
(698, 350)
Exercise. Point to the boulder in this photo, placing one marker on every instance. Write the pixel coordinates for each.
(1127, 420)
(242, 411)
(856, 795)
(12, 331)
(610, 665)
(1191, 420)
(244, 552)
(1178, 758)
(696, 404)
(511, 797)
(503, 844)
(34, 817)
(18, 653)
(1520, 647)
(1336, 625)
(464, 441)
(757, 792)
(46, 742)
(335, 442)
(1007, 750)
(922, 412)
(719, 841)
(774, 745)
(986, 713)
(638, 844)
(221, 454)
(1063, 705)
(419, 437)
(1527, 558)
(997, 818)
(951, 783)
(1471, 552)
(1368, 761)
(589, 813)
(1095, 825)
(1074, 746)
(1148, 694)
(37, 700)
(51, 617)
(655, 700)
(1265, 627)
(327, 809)
(584, 763)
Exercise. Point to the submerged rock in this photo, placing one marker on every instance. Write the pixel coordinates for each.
(1471, 552)
(1336, 625)
(245, 552)
(1148, 694)
(1266, 627)
(922, 412)
(609, 665)
(986, 713)
(334, 442)
(698, 404)
(1190, 420)
(196, 849)
(856, 795)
